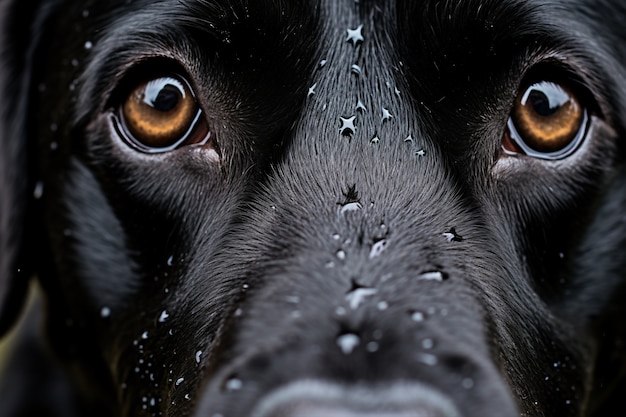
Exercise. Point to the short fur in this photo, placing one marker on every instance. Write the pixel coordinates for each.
(403, 266)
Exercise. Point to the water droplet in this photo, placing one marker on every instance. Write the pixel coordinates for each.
(322, 63)
(170, 260)
(383, 305)
(427, 359)
(238, 312)
(417, 316)
(360, 107)
(234, 384)
(187, 397)
(352, 206)
(348, 342)
(409, 139)
(467, 383)
(375, 140)
(38, 191)
(420, 153)
(355, 69)
(341, 254)
(453, 236)
(432, 276)
(355, 36)
(357, 296)
(329, 265)
(312, 90)
(198, 356)
(179, 381)
(105, 312)
(347, 126)
(372, 347)
(428, 343)
(144, 335)
(293, 299)
(163, 316)
(386, 115)
(88, 45)
(378, 248)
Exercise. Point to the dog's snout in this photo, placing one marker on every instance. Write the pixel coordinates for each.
(315, 399)
(328, 411)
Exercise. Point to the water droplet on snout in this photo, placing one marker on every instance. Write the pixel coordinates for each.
(348, 342)
(428, 343)
(432, 276)
(467, 383)
(105, 312)
(348, 207)
(234, 384)
(417, 316)
(341, 254)
(378, 248)
(427, 359)
(357, 296)
(38, 191)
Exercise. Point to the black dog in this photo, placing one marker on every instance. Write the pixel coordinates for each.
(340, 208)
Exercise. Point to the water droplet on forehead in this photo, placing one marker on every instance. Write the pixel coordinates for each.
(341, 254)
(355, 69)
(355, 36)
(386, 115)
(347, 125)
(360, 107)
(420, 152)
(312, 90)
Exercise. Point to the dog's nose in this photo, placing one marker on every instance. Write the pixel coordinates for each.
(319, 399)
(331, 411)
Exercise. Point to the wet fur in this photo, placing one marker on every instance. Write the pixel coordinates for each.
(532, 306)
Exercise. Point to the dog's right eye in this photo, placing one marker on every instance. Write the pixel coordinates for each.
(161, 114)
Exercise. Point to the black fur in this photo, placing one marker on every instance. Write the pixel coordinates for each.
(177, 285)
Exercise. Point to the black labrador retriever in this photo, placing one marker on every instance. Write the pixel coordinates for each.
(342, 208)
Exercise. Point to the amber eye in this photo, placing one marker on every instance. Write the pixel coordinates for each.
(161, 114)
(548, 121)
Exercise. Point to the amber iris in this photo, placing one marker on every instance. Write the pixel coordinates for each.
(159, 113)
(547, 116)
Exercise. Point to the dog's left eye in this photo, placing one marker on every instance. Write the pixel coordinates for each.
(548, 121)
(161, 114)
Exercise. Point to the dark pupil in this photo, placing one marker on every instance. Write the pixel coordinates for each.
(167, 98)
(541, 103)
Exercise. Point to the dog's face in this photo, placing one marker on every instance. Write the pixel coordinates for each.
(321, 208)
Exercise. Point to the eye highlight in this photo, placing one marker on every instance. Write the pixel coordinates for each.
(548, 121)
(161, 114)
